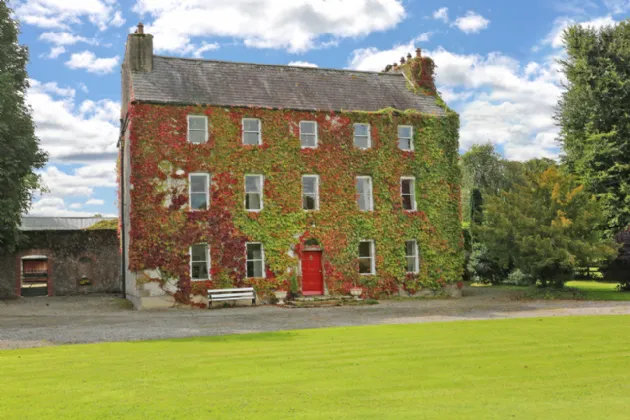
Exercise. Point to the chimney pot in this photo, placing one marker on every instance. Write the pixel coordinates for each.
(419, 52)
(140, 29)
(402, 60)
(408, 56)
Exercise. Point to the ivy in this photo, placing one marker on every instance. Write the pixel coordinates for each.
(163, 229)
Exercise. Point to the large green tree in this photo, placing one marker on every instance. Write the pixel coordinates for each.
(543, 226)
(20, 154)
(594, 115)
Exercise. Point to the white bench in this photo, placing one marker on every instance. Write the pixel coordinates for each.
(222, 295)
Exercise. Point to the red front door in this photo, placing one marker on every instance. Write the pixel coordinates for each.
(312, 277)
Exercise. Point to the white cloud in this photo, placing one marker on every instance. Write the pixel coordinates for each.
(56, 52)
(471, 23)
(65, 38)
(441, 14)
(56, 207)
(94, 202)
(81, 182)
(302, 64)
(73, 133)
(298, 25)
(76, 206)
(117, 20)
(88, 61)
(211, 46)
(62, 14)
(554, 38)
(499, 100)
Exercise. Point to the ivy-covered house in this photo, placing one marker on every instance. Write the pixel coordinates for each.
(284, 178)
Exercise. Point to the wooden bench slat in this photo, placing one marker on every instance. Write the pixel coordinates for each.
(233, 295)
(243, 298)
(243, 289)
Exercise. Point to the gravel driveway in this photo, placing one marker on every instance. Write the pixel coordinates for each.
(33, 322)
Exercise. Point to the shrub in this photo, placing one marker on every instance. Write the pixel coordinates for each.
(482, 268)
(518, 278)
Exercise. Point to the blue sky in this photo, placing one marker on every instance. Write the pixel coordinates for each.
(496, 65)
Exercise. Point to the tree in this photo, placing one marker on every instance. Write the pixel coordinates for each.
(594, 115)
(21, 154)
(483, 173)
(544, 226)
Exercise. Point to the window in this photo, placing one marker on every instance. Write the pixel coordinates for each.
(308, 134)
(197, 129)
(408, 192)
(200, 262)
(366, 258)
(199, 191)
(412, 256)
(255, 260)
(364, 193)
(253, 192)
(310, 192)
(362, 138)
(405, 137)
(251, 132)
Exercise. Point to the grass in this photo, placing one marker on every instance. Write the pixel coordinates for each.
(597, 290)
(560, 368)
(574, 290)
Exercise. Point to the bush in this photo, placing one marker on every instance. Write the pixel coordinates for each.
(518, 278)
(544, 226)
(619, 269)
(482, 268)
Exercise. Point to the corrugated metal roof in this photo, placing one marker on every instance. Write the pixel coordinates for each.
(194, 81)
(60, 223)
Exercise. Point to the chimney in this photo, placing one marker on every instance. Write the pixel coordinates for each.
(418, 53)
(139, 53)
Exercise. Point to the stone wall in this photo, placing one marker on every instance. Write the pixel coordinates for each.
(91, 256)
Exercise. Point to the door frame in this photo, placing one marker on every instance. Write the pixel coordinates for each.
(19, 267)
(321, 262)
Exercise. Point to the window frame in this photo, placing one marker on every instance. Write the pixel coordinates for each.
(372, 257)
(188, 129)
(259, 131)
(190, 193)
(414, 203)
(262, 192)
(262, 255)
(316, 191)
(411, 145)
(369, 136)
(316, 134)
(415, 256)
(208, 261)
(369, 178)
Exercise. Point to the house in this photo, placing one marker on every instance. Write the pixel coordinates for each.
(303, 179)
(60, 256)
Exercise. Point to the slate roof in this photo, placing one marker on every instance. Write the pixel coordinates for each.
(59, 223)
(194, 81)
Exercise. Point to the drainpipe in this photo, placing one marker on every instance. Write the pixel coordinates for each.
(121, 146)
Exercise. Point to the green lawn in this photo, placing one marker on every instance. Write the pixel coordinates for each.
(574, 290)
(549, 368)
(597, 290)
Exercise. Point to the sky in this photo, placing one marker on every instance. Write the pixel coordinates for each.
(496, 65)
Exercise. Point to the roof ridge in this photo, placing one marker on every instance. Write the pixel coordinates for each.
(207, 60)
